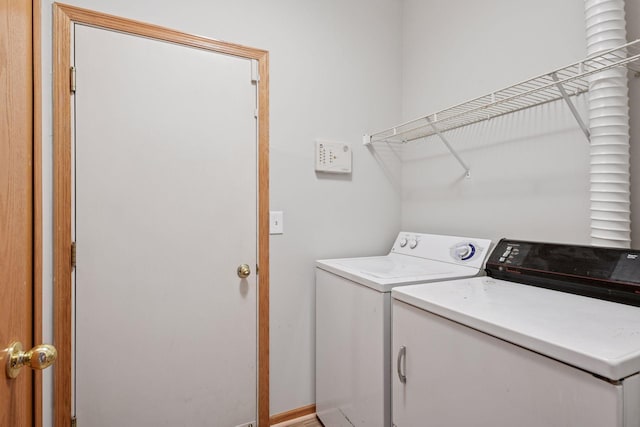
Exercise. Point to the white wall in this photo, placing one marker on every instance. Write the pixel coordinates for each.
(335, 74)
(529, 170)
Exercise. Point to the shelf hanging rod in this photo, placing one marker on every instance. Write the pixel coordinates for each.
(455, 154)
(572, 107)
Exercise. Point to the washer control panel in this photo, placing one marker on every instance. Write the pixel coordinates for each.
(452, 249)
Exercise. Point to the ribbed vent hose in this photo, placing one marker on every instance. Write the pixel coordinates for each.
(609, 128)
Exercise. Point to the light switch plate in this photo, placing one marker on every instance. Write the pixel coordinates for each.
(276, 222)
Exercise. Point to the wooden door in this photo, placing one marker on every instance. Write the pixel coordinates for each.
(173, 219)
(16, 208)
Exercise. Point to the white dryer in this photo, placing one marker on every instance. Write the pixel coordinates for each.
(497, 352)
(353, 320)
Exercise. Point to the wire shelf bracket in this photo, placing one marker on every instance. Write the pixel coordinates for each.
(572, 108)
(450, 148)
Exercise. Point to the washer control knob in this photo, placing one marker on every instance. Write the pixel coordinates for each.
(464, 251)
(403, 242)
(413, 243)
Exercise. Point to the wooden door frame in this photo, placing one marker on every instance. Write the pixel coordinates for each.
(64, 16)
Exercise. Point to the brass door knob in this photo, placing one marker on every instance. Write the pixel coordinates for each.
(39, 357)
(244, 271)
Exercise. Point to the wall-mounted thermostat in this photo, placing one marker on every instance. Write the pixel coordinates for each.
(333, 157)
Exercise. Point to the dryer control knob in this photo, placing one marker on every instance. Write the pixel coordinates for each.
(413, 243)
(403, 242)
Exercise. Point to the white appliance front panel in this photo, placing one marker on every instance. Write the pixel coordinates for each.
(599, 336)
(457, 376)
(352, 353)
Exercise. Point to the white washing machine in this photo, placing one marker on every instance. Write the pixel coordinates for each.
(498, 352)
(353, 320)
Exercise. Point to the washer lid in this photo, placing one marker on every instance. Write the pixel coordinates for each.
(386, 267)
(384, 272)
(598, 336)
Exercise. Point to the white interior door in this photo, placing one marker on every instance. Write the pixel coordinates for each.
(165, 211)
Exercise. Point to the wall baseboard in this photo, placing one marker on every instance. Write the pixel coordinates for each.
(292, 414)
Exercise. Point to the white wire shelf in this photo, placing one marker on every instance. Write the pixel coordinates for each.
(558, 84)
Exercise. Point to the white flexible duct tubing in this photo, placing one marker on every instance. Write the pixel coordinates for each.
(609, 128)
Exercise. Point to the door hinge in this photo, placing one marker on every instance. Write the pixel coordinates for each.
(73, 255)
(255, 72)
(74, 422)
(72, 79)
(257, 269)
